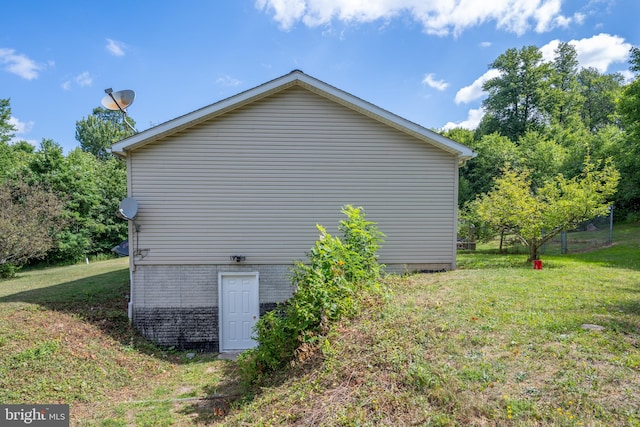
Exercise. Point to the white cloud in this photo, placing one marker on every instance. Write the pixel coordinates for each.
(115, 47)
(579, 18)
(20, 126)
(439, 17)
(286, 12)
(228, 81)
(628, 76)
(599, 51)
(548, 51)
(564, 22)
(84, 79)
(21, 129)
(485, 44)
(432, 82)
(474, 117)
(474, 91)
(548, 17)
(19, 64)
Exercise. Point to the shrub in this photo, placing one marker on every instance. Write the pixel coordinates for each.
(329, 286)
(8, 271)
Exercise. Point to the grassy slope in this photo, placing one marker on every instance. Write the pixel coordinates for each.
(498, 345)
(494, 342)
(65, 338)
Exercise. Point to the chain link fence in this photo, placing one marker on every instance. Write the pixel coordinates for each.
(594, 233)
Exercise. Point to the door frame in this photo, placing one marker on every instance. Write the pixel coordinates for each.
(222, 274)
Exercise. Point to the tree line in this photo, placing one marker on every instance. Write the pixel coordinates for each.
(556, 146)
(554, 136)
(59, 208)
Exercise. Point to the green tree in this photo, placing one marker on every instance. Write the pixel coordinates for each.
(14, 159)
(47, 162)
(494, 151)
(30, 216)
(629, 104)
(599, 94)
(575, 141)
(544, 157)
(91, 190)
(607, 142)
(100, 130)
(535, 216)
(634, 59)
(111, 186)
(563, 99)
(515, 101)
(466, 187)
(7, 130)
(629, 156)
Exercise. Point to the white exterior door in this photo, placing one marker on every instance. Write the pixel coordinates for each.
(239, 308)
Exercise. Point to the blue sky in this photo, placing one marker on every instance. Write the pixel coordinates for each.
(424, 60)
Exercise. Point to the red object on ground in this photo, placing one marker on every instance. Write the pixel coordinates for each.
(537, 264)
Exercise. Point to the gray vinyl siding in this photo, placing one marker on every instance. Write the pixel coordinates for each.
(255, 181)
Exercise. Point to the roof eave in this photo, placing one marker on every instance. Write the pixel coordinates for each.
(350, 101)
(296, 77)
(183, 122)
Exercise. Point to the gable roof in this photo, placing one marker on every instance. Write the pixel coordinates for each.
(294, 78)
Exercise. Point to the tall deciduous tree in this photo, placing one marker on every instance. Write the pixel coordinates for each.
(494, 151)
(544, 157)
(515, 103)
(466, 188)
(563, 100)
(100, 130)
(599, 94)
(29, 219)
(629, 158)
(91, 190)
(7, 130)
(537, 215)
(14, 158)
(634, 59)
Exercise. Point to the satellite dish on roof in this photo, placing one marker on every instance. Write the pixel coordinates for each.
(119, 100)
(128, 209)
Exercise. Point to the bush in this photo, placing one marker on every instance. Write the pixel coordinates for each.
(8, 271)
(330, 286)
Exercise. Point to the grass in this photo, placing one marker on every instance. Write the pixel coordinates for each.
(492, 343)
(65, 338)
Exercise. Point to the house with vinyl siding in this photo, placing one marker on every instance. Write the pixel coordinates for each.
(229, 197)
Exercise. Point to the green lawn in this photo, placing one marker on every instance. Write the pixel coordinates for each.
(492, 343)
(65, 338)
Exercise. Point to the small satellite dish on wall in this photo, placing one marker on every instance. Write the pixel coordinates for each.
(119, 100)
(128, 209)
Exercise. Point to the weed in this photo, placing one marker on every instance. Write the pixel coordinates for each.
(332, 285)
(39, 352)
